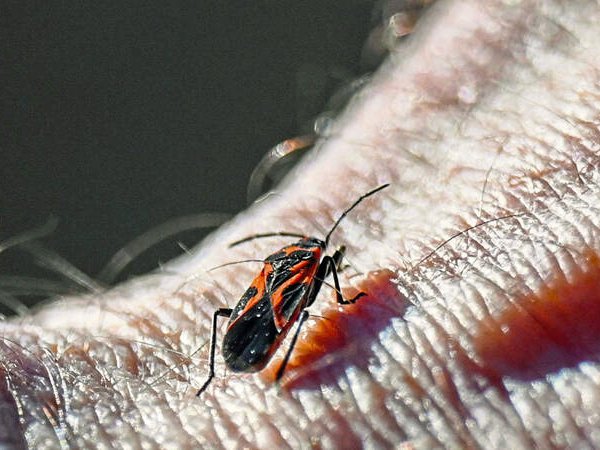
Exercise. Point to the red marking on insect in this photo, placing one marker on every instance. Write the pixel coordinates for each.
(343, 336)
(288, 283)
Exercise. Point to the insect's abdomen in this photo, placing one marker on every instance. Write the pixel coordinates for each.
(252, 339)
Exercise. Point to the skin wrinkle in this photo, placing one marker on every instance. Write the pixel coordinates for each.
(455, 423)
(22, 376)
(380, 420)
(571, 419)
(355, 401)
(434, 324)
(391, 407)
(12, 412)
(431, 364)
(407, 416)
(60, 409)
(188, 310)
(462, 375)
(384, 422)
(349, 386)
(551, 394)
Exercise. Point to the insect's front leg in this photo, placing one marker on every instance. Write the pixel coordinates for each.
(338, 257)
(221, 312)
(329, 265)
(338, 291)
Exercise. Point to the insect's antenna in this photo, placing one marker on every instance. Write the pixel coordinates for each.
(354, 205)
(235, 262)
(264, 235)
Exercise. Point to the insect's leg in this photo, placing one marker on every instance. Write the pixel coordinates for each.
(301, 320)
(338, 256)
(221, 312)
(338, 292)
(329, 265)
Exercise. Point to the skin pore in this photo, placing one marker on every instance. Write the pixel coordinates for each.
(489, 110)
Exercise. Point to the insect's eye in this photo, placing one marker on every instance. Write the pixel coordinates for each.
(314, 242)
(301, 255)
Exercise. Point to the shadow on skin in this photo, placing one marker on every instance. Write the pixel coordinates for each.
(343, 336)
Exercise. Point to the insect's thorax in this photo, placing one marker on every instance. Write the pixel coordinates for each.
(289, 275)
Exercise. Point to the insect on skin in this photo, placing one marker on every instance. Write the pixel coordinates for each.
(288, 283)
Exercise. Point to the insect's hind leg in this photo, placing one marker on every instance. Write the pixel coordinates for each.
(303, 316)
(221, 312)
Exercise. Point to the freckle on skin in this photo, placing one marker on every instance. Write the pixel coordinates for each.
(132, 364)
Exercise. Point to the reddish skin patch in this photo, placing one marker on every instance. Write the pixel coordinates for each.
(131, 363)
(542, 333)
(342, 336)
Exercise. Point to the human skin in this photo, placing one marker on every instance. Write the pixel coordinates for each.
(488, 115)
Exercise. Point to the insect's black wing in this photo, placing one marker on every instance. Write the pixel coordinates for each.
(249, 341)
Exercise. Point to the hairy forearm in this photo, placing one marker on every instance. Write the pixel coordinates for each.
(490, 111)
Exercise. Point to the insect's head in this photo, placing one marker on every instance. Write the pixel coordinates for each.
(311, 242)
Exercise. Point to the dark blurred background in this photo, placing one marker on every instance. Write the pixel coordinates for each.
(117, 118)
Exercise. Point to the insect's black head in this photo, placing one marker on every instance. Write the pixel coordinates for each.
(311, 242)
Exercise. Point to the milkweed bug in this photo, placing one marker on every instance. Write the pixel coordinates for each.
(277, 298)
